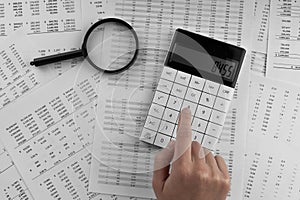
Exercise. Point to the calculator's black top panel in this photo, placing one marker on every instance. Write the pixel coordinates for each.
(205, 57)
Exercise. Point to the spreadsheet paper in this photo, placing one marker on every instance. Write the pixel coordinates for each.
(39, 17)
(283, 47)
(50, 139)
(272, 170)
(33, 166)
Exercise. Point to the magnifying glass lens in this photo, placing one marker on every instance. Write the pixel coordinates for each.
(111, 46)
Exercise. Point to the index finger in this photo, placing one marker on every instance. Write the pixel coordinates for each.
(184, 137)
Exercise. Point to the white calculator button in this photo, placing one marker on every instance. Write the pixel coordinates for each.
(148, 136)
(164, 86)
(197, 83)
(197, 137)
(213, 130)
(226, 92)
(160, 98)
(209, 142)
(203, 112)
(190, 105)
(174, 103)
(207, 99)
(170, 115)
(218, 117)
(199, 125)
(183, 78)
(169, 73)
(162, 140)
(193, 95)
(222, 104)
(211, 87)
(166, 128)
(178, 90)
(156, 110)
(152, 123)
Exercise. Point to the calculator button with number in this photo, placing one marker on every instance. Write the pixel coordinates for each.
(207, 91)
(207, 116)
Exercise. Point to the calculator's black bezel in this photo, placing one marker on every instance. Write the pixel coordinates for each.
(213, 47)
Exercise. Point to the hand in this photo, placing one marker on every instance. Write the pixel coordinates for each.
(196, 174)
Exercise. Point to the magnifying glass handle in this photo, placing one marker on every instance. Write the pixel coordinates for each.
(56, 58)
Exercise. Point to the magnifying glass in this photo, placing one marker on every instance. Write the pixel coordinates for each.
(110, 45)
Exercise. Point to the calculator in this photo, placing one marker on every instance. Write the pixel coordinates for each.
(199, 73)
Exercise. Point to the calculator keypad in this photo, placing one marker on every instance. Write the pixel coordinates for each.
(166, 128)
(207, 100)
(170, 115)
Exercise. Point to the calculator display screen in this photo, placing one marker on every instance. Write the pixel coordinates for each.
(205, 57)
(204, 62)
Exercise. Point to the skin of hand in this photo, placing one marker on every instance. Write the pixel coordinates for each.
(195, 175)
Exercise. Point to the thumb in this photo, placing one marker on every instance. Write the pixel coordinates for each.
(162, 166)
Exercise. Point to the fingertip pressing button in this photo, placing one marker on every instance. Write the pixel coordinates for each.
(192, 106)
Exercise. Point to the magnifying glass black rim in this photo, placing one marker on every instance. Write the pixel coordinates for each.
(93, 27)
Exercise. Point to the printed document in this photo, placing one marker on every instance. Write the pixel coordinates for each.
(283, 48)
(272, 170)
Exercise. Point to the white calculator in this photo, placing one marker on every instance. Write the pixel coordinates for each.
(199, 73)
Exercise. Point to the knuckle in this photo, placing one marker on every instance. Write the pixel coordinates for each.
(184, 178)
(216, 180)
(222, 183)
(184, 175)
(226, 184)
(212, 179)
(204, 177)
